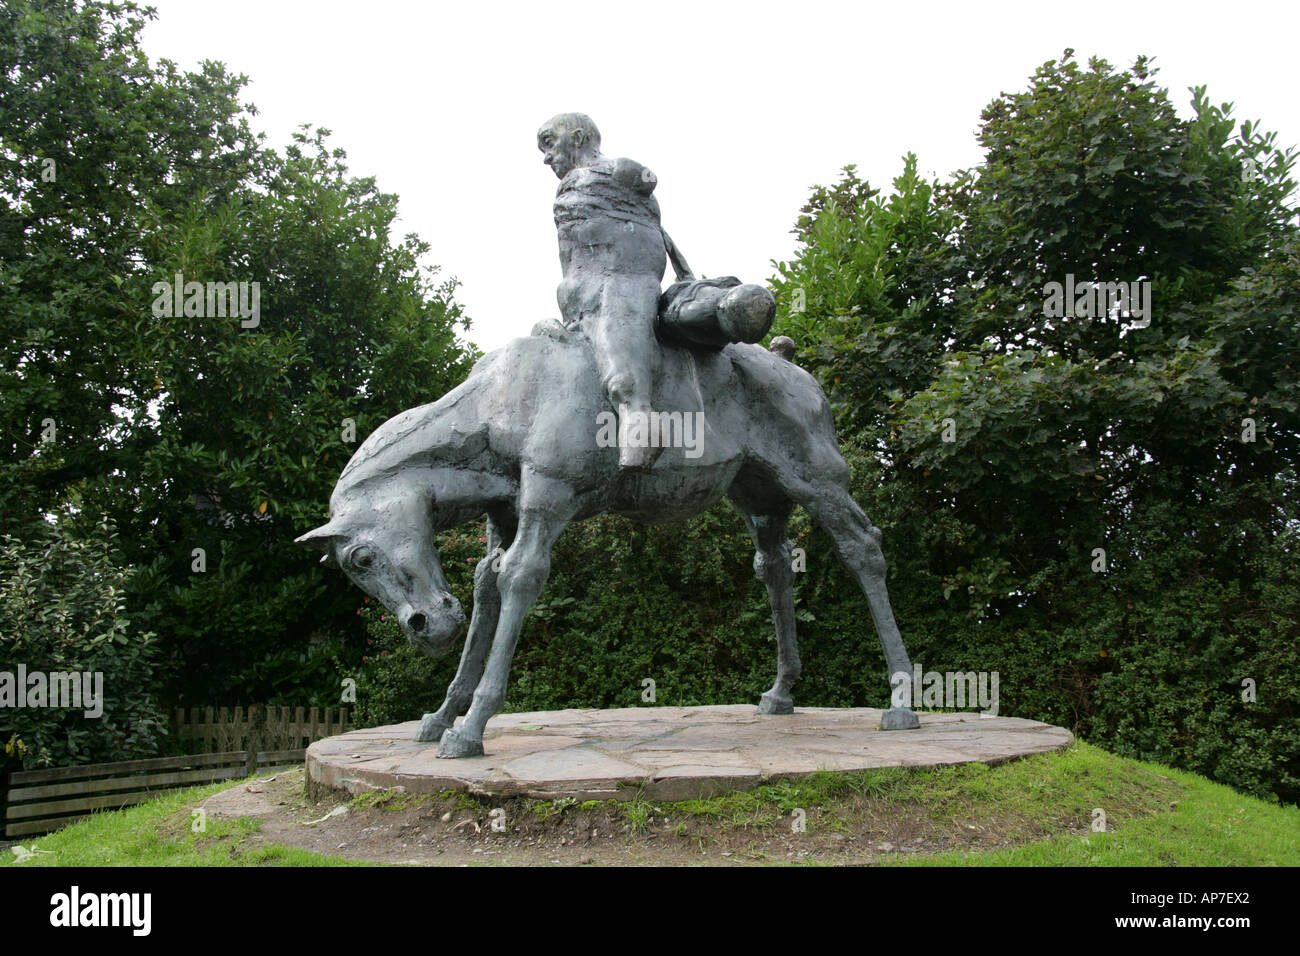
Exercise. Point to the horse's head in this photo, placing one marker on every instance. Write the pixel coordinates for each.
(387, 548)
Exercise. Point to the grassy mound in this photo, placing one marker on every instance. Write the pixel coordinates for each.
(1076, 807)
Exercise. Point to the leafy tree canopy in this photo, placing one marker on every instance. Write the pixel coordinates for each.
(209, 428)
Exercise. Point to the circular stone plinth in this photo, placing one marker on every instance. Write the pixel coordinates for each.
(675, 753)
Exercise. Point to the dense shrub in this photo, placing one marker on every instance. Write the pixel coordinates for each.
(62, 609)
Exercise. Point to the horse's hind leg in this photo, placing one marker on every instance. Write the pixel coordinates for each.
(482, 625)
(857, 542)
(772, 566)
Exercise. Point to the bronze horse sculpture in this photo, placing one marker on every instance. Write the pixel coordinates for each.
(521, 441)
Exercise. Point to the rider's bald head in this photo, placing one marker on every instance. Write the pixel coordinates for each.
(579, 123)
(568, 140)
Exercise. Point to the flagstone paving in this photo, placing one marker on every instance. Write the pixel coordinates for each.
(674, 753)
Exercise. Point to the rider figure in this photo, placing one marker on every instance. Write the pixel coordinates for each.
(613, 253)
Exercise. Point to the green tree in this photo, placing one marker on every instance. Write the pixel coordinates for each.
(1062, 427)
(211, 439)
(863, 298)
(1102, 511)
(92, 139)
(253, 425)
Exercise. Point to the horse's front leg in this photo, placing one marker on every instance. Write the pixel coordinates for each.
(482, 625)
(523, 573)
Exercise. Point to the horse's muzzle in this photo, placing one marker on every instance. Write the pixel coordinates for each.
(434, 633)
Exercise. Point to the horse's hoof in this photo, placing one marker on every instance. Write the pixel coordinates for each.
(899, 718)
(771, 703)
(454, 745)
(431, 728)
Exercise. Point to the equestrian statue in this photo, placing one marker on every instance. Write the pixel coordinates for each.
(644, 403)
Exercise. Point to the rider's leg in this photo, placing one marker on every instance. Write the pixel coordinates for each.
(622, 331)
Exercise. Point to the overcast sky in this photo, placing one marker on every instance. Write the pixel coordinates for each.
(739, 108)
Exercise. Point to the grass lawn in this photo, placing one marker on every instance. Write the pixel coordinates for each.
(159, 833)
(1038, 811)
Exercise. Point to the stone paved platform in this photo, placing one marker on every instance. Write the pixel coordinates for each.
(677, 753)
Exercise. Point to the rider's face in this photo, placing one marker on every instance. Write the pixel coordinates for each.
(558, 150)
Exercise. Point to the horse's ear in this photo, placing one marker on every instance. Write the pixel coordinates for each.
(319, 538)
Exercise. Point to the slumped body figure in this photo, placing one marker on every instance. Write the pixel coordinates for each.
(613, 253)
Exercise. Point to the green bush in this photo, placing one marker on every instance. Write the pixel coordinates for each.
(62, 609)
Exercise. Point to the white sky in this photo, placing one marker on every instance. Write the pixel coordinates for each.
(739, 108)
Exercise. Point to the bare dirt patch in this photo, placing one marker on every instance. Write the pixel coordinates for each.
(456, 829)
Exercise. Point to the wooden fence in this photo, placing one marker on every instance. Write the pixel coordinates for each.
(259, 727)
(42, 800)
(227, 745)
